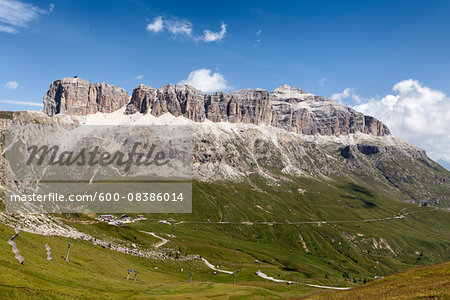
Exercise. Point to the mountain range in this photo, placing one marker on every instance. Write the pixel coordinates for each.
(257, 131)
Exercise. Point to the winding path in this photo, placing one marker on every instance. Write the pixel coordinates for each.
(163, 240)
(399, 216)
(265, 276)
(211, 266)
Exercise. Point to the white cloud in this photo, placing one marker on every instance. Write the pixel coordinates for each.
(179, 27)
(173, 25)
(156, 26)
(16, 14)
(203, 80)
(417, 114)
(26, 103)
(348, 93)
(139, 77)
(51, 6)
(209, 36)
(322, 82)
(12, 85)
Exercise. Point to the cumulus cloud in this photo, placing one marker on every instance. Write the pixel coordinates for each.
(417, 114)
(203, 80)
(12, 85)
(209, 36)
(181, 27)
(348, 93)
(139, 77)
(16, 14)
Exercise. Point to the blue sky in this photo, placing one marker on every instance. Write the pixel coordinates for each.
(355, 51)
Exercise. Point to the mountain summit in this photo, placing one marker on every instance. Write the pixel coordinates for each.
(286, 92)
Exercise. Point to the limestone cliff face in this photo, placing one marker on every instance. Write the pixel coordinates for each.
(286, 107)
(76, 96)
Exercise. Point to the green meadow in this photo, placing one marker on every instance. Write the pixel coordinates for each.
(331, 233)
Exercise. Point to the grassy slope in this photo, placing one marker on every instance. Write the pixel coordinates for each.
(432, 282)
(330, 243)
(94, 272)
(335, 248)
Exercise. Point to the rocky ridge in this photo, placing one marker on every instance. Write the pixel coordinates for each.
(76, 96)
(286, 107)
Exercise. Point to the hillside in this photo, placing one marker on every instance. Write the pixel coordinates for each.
(430, 282)
(286, 243)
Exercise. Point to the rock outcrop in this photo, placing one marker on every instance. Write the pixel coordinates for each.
(286, 107)
(76, 96)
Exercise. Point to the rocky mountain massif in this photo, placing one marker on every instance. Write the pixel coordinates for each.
(286, 107)
(286, 132)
